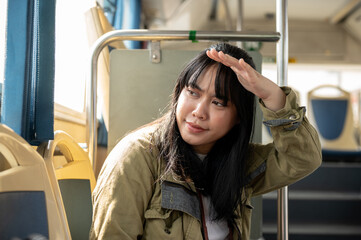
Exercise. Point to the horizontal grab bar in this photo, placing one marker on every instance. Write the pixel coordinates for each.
(153, 35)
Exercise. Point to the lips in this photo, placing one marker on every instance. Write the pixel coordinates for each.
(195, 128)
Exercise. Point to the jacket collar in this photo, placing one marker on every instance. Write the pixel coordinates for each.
(172, 178)
(178, 197)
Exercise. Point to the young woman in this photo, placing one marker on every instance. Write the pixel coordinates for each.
(191, 174)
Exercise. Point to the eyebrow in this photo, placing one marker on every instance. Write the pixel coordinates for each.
(196, 86)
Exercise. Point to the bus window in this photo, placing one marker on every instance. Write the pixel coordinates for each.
(71, 53)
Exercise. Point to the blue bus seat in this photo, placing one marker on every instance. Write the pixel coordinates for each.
(334, 120)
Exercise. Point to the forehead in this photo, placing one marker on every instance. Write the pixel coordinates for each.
(215, 78)
(206, 79)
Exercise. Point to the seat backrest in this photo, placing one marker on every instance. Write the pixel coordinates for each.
(97, 25)
(333, 118)
(73, 181)
(27, 203)
(139, 90)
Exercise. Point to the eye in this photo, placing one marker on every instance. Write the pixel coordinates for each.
(219, 103)
(191, 92)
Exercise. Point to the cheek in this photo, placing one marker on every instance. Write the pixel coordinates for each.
(181, 106)
(179, 109)
(177, 115)
(227, 121)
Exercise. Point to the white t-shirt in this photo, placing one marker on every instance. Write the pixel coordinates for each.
(217, 230)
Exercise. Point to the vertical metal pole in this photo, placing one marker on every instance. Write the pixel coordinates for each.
(91, 106)
(282, 45)
(92, 113)
(240, 20)
(282, 64)
(228, 16)
(240, 16)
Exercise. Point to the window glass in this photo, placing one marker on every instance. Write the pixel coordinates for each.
(71, 53)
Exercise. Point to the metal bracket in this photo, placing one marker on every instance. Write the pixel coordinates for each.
(155, 55)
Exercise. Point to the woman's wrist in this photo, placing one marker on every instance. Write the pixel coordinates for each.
(276, 100)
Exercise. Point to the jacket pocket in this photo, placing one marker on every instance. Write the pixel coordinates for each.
(248, 204)
(246, 217)
(163, 224)
(247, 209)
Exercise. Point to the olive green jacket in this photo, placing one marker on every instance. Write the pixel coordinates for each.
(133, 198)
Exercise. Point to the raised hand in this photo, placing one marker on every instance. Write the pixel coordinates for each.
(270, 93)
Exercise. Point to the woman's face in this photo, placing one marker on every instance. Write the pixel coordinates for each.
(203, 118)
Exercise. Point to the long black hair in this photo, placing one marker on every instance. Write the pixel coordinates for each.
(221, 174)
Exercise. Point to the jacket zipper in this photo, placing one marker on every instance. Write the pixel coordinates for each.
(204, 225)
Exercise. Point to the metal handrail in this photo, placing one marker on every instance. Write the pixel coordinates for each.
(152, 35)
(282, 80)
(281, 37)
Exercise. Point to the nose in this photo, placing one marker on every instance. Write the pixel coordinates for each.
(200, 111)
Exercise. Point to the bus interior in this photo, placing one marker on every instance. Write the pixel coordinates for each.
(76, 76)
